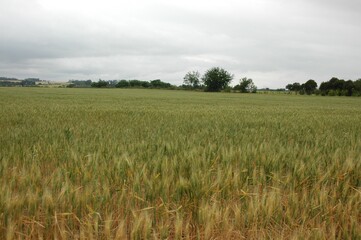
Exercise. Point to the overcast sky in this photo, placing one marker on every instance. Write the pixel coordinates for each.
(274, 42)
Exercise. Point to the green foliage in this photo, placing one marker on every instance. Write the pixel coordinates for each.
(310, 86)
(145, 84)
(132, 84)
(333, 87)
(332, 93)
(159, 84)
(216, 79)
(79, 83)
(340, 87)
(227, 89)
(294, 87)
(192, 79)
(7, 78)
(27, 83)
(139, 83)
(122, 84)
(246, 85)
(100, 84)
(6, 83)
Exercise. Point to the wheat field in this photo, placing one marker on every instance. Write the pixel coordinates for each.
(158, 164)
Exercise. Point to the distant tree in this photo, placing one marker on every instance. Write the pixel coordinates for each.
(145, 84)
(339, 87)
(289, 87)
(27, 83)
(139, 84)
(122, 84)
(79, 83)
(348, 87)
(8, 78)
(159, 84)
(336, 84)
(324, 88)
(310, 86)
(216, 79)
(296, 87)
(135, 83)
(156, 83)
(357, 86)
(246, 85)
(32, 79)
(100, 84)
(191, 79)
(6, 83)
(112, 83)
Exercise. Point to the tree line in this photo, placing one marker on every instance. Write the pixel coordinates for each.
(157, 83)
(333, 87)
(8, 78)
(217, 79)
(14, 82)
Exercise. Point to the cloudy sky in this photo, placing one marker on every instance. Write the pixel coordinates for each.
(274, 42)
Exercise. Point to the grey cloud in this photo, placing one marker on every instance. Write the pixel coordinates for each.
(280, 40)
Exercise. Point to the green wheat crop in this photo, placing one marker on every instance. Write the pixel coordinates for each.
(152, 164)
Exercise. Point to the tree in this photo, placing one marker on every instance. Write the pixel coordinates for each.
(348, 88)
(192, 79)
(122, 84)
(357, 85)
(27, 83)
(80, 83)
(100, 84)
(310, 86)
(294, 87)
(157, 83)
(135, 83)
(340, 87)
(289, 87)
(246, 85)
(145, 84)
(216, 79)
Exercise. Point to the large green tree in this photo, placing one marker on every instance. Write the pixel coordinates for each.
(310, 86)
(216, 79)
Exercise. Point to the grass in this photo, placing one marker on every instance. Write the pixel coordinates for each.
(152, 164)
